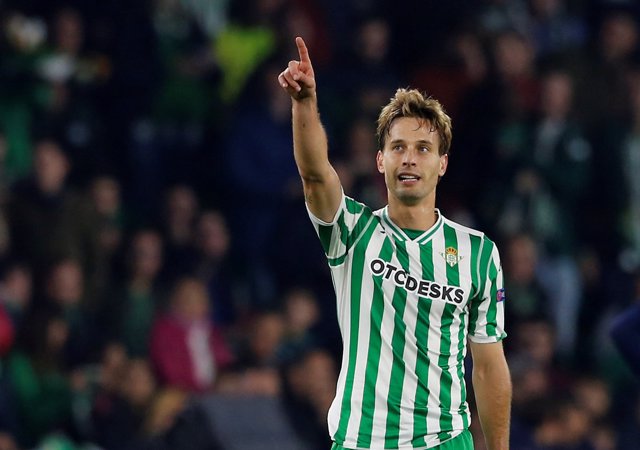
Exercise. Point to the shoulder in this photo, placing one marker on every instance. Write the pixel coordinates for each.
(475, 235)
(462, 229)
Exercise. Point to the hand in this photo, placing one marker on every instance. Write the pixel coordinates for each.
(298, 78)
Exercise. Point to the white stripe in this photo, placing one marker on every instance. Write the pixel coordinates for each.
(384, 365)
(343, 306)
(464, 269)
(410, 382)
(435, 336)
(373, 250)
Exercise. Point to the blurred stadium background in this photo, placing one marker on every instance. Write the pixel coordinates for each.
(161, 286)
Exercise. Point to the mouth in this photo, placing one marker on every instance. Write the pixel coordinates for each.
(407, 178)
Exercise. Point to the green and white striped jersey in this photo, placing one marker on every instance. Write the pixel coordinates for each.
(406, 308)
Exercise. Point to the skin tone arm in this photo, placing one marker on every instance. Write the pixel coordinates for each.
(492, 386)
(321, 184)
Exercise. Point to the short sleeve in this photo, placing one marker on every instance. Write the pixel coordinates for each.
(486, 315)
(337, 237)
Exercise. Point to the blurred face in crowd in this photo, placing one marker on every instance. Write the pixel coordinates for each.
(374, 40)
(105, 193)
(267, 334)
(213, 235)
(557, 95)
(190, 300)
(182, 204)
(17, 287)
(536, 339)
(139, 383)
(522, 258)
(147, 254)
(619, 37)
(51, 167)
(301, 310)
(592, 394)
(57, 334)
(66, 284)
(410, 161)
(69, 31)
(513, 55)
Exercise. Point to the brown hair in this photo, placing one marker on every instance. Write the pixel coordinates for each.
(413, 103)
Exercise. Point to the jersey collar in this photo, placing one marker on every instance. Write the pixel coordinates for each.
(401, 235)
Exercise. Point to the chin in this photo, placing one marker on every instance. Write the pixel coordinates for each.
(409, 199)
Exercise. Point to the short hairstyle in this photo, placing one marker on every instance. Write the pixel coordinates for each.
(415, 104)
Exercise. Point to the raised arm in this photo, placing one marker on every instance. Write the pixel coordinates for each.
(492, 386)
(322, 189)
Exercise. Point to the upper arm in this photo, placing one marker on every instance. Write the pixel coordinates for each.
(323, 194)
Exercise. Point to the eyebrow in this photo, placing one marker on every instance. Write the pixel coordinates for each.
(402, 141)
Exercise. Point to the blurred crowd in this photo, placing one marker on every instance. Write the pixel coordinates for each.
(154, 244)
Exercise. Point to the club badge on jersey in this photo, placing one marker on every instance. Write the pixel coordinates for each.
(451, 256)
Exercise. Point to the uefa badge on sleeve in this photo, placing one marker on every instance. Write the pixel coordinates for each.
(500, 296)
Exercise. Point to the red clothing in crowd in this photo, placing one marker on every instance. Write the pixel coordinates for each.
(188, 355)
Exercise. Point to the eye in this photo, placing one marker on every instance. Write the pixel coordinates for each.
(397, 147)
(424, 148)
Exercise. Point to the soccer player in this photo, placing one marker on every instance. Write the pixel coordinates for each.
(412, 287)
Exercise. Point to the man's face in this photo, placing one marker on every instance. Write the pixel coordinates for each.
(410, 161)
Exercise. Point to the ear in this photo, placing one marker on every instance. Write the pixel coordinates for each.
(444, 162)
(379, 157)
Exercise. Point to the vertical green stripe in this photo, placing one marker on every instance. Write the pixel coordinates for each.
(422, 358)
(356, 290)
(394, 398)
(485, 255)
(344, 230)
(324, 233)
(492, 312)
(451, 241)
(473, 263)
(463, 386)
(373, 356)
(446, 378)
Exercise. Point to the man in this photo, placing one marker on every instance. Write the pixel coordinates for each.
(411, 285)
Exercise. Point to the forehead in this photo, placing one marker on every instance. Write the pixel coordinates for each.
(412, 129)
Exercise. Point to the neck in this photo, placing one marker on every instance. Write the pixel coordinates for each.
(415, 217)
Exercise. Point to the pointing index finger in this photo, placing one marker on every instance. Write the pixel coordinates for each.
(302, 51)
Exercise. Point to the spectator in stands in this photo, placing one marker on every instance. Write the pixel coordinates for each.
(213, 267)
(256, 371)
(521, 280)
(65, 292)
(127, 315)
(186, 349)
(105, 194)
(36, 371)
(16, 290)
(309, 390)
(180, 213)
(70, 230)
(301, 315)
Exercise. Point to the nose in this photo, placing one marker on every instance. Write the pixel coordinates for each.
(409, 157)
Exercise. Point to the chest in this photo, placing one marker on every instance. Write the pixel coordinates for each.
(437, 271)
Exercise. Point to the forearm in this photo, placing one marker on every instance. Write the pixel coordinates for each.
(492, 386)
(321, 184)
(310, 149)
(310, 146)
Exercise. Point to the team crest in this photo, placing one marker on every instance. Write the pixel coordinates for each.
(451, 256)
